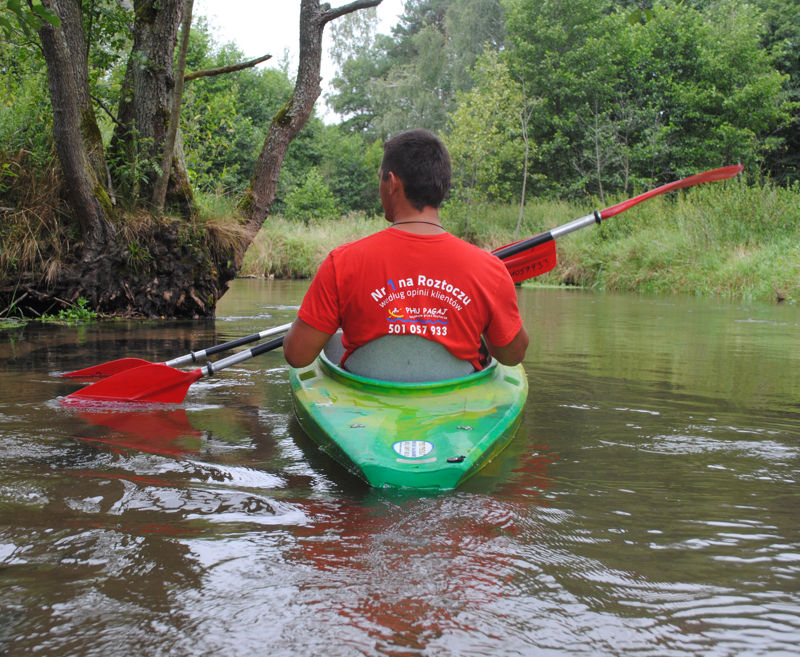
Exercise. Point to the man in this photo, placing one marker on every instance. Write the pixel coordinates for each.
(413, 278)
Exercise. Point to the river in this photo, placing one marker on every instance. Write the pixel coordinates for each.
(648, 505)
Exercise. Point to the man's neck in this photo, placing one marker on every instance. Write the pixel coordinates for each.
(420, 222)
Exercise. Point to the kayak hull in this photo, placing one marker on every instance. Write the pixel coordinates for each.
(409, 435)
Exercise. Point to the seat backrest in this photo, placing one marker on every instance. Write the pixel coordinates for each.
(408, 358)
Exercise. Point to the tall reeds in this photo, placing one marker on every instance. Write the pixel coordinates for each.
(728, 239)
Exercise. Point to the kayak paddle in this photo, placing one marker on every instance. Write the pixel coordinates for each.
(537, 255)
(158, 382)
(121, 364)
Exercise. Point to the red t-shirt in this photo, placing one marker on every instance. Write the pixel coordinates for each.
(435, 286)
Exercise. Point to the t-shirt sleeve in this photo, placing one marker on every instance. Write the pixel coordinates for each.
(504, 321)
(320, 307)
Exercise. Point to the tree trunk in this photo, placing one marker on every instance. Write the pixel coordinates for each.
(291, 119)
(524, 118)
(145, 102)
(75, 131)
(160, 187)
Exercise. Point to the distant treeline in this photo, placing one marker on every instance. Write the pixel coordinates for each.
(563, 100)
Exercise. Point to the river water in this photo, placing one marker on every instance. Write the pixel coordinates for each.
(648, 505)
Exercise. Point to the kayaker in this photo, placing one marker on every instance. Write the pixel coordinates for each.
(412, 278)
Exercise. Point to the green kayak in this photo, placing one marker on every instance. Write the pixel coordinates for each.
(411, 435)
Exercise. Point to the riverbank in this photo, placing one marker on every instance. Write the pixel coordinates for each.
(728, 240)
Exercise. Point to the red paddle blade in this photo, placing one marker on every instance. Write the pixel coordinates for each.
(533, 262)
(722, 173)
(107, 369)
(154, 383)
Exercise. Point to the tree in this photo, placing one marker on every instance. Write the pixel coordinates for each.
(154, 266)
(312, 199)
(484, 138)
(410, 79)
(225, 117)
(644, 101)
(293, 116)
(76, 134)
(28, 17)
(781, 38)
(146, 98)
(168, 149)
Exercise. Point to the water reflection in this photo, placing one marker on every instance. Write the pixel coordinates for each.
(647, 506)
(158, 431)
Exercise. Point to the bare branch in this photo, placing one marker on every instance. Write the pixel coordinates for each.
(336, 12)
(103, 107)
(225, 69)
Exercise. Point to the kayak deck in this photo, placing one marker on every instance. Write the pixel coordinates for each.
(414, 435)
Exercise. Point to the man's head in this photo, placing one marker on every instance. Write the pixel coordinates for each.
(421, 161)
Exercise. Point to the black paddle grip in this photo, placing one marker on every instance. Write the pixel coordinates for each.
(269, 345)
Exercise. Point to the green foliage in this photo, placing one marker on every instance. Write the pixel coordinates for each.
(225, 118)
(723, 239)
(288, 248)
(139, 257)
(492, 225)
(484, 135)
(389, 84)
(75, 314)
(780, 39)
(350, 166)
(225, 121)
(132, 167)
(23, 94)
(312, 200)
(27, 17)
(628, 105)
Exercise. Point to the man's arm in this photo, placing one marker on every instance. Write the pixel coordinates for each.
(513, 352)
(303, 343)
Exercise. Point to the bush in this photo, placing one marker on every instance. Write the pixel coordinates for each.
(311, 200)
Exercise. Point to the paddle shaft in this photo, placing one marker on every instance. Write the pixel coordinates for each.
(212, 368)
(121, 364)
(197, 356)
(599, 215)
(157, 382)
(542, 238)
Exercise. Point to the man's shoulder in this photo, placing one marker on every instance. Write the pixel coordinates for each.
(480, 255)
(359, 244)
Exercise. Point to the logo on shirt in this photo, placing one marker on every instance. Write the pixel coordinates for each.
(419, 315)
(409, 288)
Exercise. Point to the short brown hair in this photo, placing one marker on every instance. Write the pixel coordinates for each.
(421, 161)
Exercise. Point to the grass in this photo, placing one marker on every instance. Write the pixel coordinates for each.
(294, 249)
(727, 240)
(718, 240)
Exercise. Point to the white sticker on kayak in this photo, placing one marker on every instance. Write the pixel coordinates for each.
(413, 449)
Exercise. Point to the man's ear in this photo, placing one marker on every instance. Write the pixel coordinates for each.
(395, 184)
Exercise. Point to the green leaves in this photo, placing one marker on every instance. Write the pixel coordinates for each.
(312, 200)
(28, 17)
(484, 136)
(633, 98)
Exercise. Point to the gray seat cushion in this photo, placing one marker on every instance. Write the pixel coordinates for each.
(407, 358)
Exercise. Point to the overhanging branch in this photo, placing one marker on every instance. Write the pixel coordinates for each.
(226, 69)
(336, 12)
